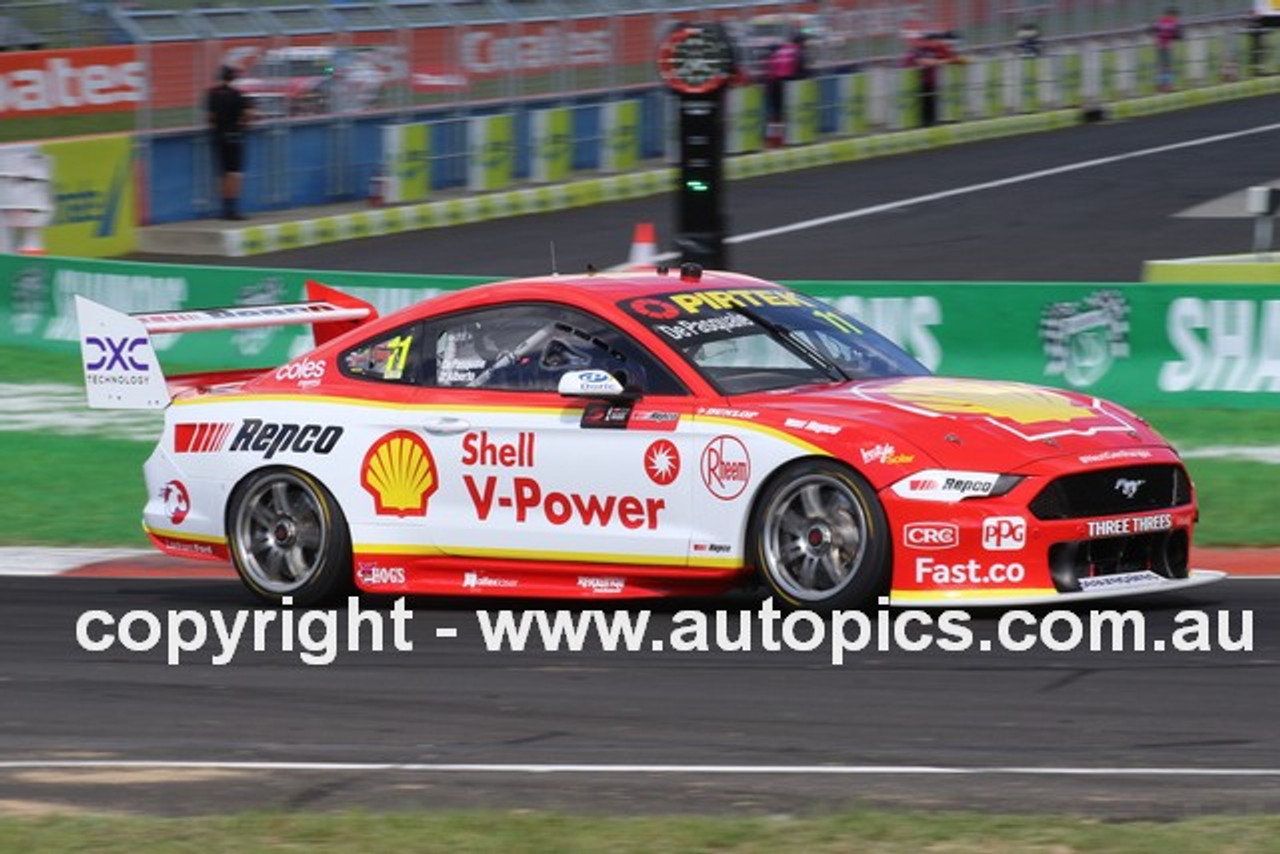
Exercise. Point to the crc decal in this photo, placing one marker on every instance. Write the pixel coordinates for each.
(930, 571)
(1004, 533)
(726, 467)
(400, 473)
(200, 438)
(177, 503)
(270, 438)
(662, 462)
(1082, 340)
(526, 501)
(1007, 405)
(931, 535)
(1131, 525)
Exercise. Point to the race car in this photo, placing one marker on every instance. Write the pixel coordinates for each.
(645, 433)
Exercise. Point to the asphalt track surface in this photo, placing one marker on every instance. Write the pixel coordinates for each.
(1118, 734)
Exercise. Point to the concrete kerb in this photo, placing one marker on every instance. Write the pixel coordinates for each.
(258, 239)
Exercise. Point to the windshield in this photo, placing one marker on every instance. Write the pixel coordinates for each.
(757, 339)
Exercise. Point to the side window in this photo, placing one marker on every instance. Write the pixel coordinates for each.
(390, 357)
(529, 347)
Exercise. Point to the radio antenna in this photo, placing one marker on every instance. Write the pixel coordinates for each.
(554, 270)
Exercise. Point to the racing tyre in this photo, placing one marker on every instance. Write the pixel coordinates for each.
(288, 537)
(820, 539)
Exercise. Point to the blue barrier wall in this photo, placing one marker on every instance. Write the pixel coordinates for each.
(322, 161)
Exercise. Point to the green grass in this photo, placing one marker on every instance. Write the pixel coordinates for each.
(63, 490)
(863, 831)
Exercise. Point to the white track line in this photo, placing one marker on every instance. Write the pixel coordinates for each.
(571, 768)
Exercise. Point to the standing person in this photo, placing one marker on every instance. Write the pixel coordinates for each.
(228, 118)
(927, 54)
(781, 66)
(1167, 30)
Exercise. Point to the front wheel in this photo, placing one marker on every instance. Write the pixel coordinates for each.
(288, 537)
(819, 538)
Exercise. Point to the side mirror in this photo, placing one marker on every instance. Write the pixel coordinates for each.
(590, 384)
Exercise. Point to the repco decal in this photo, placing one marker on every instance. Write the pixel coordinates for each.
(270, 439)
(400, 473)
(726, 467)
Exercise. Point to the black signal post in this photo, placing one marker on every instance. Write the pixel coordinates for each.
(696, 62)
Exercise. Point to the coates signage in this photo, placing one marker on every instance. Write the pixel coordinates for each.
(65, 82)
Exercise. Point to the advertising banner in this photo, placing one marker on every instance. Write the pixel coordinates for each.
(74, 81)
(407, 161)
(491, 146)
(621, 121)
(94, 215)
(804, 111)
(746, 119)
(552, 131)
(1140, 345)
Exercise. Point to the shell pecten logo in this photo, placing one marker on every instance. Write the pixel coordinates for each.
(1019, 403)
(400, 473)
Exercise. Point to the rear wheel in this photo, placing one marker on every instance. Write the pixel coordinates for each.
(288, 537)
(820, 538)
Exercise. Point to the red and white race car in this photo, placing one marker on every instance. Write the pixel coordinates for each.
(637, 434)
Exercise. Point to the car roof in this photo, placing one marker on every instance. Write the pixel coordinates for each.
(610, 287)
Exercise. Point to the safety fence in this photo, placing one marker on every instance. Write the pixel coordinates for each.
(1138, 344)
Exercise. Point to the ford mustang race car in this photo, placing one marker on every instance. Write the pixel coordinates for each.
(637, 434)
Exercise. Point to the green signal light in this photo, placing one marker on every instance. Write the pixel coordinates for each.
(695, 186)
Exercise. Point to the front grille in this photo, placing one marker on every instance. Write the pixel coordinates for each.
(1165, 553)
(1113, 492)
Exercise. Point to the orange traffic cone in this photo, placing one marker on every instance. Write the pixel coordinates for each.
(644, 246)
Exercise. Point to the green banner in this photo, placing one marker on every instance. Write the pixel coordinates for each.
(1138, 344)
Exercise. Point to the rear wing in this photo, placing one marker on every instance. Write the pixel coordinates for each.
(121, 370)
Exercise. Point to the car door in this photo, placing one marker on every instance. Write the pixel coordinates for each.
(528, 474)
